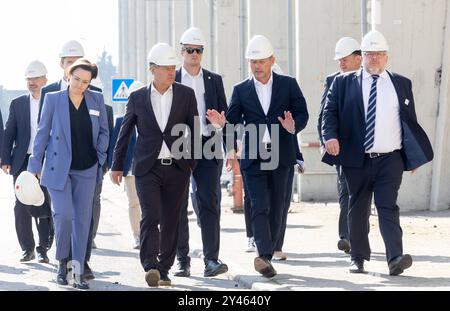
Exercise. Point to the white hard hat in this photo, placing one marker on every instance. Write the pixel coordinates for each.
(27, 189)
(72, 48)
(135, 85)
(193, 36)
(35, 69)
(345, 46)
(259, 47)
(277, 69)
(162, 54)
(374, 41)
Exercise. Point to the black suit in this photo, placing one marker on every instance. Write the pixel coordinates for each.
(344, 119)
(160, 188)
(55, 87)
(267, 188)
(207, 179)
(341, 182)
(14, 153)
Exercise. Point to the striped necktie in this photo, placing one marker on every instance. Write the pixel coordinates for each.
(370, 116)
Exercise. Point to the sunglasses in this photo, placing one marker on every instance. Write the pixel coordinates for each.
(192, 50)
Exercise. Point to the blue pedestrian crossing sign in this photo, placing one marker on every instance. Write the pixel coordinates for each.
(121, 89)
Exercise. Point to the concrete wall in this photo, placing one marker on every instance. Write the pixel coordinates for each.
(304, 33)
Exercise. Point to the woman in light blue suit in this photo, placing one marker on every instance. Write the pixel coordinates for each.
(68, 153)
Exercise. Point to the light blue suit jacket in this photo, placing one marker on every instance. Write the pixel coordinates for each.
(53, 139)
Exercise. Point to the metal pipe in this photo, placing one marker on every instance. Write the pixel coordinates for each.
(363, 17)
(243, 37)
(190, 13)
(212, 35)
(291, 39)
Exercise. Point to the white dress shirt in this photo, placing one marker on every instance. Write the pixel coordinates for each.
(34, 111)
(161, 104)
(198, 85)
(388, 132)
(64, 84)
(264, 92)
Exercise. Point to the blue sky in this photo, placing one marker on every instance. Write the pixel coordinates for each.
(31, 29)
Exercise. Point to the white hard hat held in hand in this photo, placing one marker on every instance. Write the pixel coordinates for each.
(162, 54)
(72, 48)
(35, 69)
(259, 47)
(192, 36)
(345, 46)
(27, 189)
(374, 41)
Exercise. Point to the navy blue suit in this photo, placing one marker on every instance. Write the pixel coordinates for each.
(1, 132)
(206, 177)
(341, 182)
(112, 144)
(14, 153)
(344, 119)
(267, 188)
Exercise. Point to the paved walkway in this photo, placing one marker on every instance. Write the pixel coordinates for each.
(314, 263)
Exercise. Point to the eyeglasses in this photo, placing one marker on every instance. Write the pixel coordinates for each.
(374, 54)
(192, 50)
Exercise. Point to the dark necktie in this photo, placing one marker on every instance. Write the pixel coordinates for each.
(370, 116)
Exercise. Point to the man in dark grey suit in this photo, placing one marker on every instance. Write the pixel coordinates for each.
(370, 128)
(20, 132)
(163, 159)
(348, 54)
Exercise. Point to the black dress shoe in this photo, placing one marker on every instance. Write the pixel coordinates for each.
(27, 256)
(164, 279)
(357, 266)
(42, 255)
(264, 266)
(214, 267)
(184, 270)
(88, 274)
(344, 245)
(61, 277)
(399, 263)
(79, 282)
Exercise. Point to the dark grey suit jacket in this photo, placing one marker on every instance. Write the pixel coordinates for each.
(17, 134)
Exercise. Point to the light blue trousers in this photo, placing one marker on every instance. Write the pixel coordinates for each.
(72, 213)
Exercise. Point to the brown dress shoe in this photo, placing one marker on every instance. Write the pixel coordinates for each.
(152, 277)
(264, 266)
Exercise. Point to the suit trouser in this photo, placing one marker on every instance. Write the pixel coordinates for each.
(247, 209)
(134, 209)
(343, 203)
(204, 179)
(267, 189)
(160, 193)
(381, 176)
(96, 209)
(287, 201)
(72, 213)
(24, 226)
